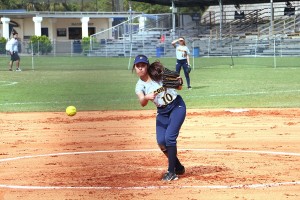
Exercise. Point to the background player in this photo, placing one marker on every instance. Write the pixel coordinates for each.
(171, 112)
(183, 59)
(13, 51)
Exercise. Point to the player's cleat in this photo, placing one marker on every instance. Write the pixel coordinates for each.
(18, 70)
(9, 69)
(180, 171)
(189, 88)
(169, 176)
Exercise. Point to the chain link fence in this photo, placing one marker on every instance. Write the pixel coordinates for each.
(232, 50)
(54, 48)
(274, 49)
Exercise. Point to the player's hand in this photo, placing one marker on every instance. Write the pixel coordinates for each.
(150, 96)
(184, 54)
(189, 69)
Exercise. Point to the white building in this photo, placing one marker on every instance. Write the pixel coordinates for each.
(59, 26)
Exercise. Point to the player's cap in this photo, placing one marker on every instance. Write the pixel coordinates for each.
(181, 39)
(141, 59)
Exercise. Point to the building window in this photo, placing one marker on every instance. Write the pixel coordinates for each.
(75, 33)
(92, 30)
(45, 32)
(61, 32)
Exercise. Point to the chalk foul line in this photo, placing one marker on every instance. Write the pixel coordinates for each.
(250, 186)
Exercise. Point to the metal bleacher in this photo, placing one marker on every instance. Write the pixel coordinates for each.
(244, 37)
(240, 37)
(141, 43)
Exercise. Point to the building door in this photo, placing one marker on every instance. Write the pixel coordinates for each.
(75, 33)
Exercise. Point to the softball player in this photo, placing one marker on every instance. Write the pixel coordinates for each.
(183, 59)
(171, 112)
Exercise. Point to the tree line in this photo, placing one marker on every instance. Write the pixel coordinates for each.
(89, 6)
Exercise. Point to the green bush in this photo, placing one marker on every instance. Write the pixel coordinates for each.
(2, 45)
(85, 44)
(41, 44)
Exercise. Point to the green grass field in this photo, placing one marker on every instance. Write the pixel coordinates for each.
(94, 83)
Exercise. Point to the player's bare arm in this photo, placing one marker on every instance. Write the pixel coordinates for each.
(145, 98)
(188, 59)
(174, 42)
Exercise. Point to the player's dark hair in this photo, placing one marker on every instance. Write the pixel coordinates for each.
(155, 71)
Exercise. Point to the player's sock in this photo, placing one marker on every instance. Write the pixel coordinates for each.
(178, 164)
(172, 155)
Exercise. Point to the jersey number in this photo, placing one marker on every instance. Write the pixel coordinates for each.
(167, 98)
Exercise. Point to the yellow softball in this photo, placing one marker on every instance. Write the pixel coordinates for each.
(71, 110)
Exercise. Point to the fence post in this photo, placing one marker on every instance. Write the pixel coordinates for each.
(32, 60)
(256, 46)
(193, 45)
(275, 65)
(295, 23)
(54, 47)
(280, 48)
(208, 47)
(91, 44)
(71, 49)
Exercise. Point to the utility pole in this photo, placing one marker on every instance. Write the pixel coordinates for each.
(117, 5)
(221, 18)
(271, 18)
(121, 5)
(174, 11)
(130, 22)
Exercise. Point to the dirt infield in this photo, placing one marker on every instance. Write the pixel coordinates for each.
(228, 154)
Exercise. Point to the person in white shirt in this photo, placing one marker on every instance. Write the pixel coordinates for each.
(13, 51)
(171, 112)
(183, 59)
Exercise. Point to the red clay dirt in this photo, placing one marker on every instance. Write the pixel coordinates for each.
(228, 154)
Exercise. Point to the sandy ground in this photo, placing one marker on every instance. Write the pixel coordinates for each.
(228, 154)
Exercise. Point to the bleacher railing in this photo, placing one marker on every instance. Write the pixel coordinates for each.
(254, 21)
(124, 38)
